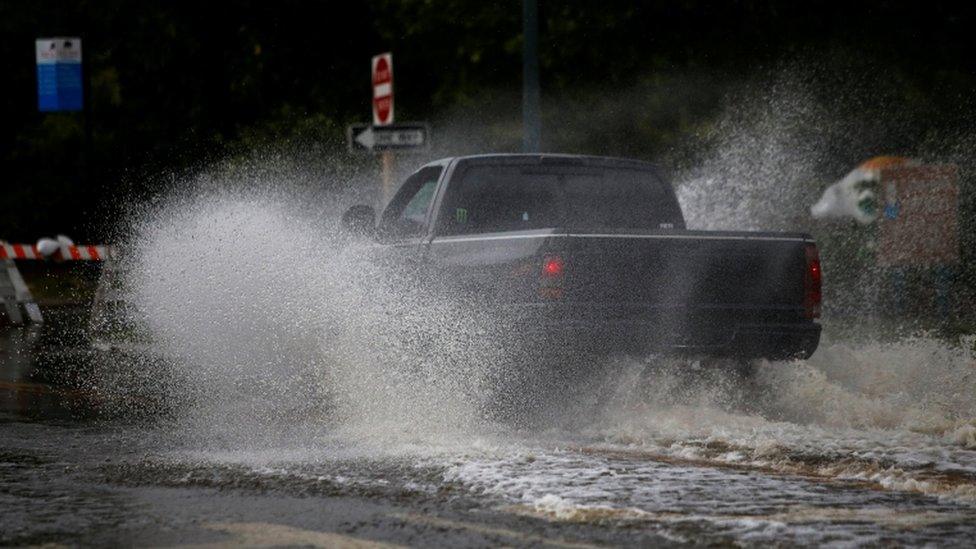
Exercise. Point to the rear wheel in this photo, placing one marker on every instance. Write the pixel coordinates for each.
(666, 381)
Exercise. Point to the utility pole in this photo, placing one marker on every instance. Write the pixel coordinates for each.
(89, 127)
(531, 123)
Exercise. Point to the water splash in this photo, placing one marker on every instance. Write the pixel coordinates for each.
(275, 327)
(759, 160)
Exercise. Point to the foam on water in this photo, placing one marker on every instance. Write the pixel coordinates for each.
(901, 420)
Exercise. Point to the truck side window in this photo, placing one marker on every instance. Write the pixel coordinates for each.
(416, 210)
(406, 215)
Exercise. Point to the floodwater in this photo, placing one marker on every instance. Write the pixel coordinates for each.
(862, 444)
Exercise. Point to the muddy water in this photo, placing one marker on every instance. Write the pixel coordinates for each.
(807, 452)
(71, 481)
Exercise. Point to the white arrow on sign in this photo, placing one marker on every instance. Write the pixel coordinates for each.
(366, 139)
(402, 137)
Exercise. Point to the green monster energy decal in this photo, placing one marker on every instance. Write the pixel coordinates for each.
(461, 215)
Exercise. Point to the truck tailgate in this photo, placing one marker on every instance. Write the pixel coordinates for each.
(746, 294)
(722, 276)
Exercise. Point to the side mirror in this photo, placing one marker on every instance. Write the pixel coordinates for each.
(359, 220)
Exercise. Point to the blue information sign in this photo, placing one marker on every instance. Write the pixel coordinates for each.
(59, 83)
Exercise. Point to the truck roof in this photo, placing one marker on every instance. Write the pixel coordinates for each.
(543, 158)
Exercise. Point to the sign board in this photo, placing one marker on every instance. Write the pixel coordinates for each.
(59, 83)
(410, 136)
(382, 89)
(919, 224)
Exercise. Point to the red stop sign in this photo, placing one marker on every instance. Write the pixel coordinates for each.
(383, 89)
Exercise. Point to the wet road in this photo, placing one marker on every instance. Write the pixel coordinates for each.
(111, 484)
(870, 443)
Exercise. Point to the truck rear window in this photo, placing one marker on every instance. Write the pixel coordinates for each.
(490, 198)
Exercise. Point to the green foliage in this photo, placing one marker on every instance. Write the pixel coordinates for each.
(176, 85)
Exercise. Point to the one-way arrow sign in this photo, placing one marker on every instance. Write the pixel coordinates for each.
(399, 137)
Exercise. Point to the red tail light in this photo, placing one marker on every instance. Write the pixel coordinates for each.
(552, 266)
(812, 294)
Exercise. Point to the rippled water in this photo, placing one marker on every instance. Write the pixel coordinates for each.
(795, 456)
(691, 475)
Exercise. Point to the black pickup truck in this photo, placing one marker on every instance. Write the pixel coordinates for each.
(593, 253)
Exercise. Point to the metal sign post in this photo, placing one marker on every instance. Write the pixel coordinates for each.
(61, 86)
(382, 76)
(383, 136)
(385, 140)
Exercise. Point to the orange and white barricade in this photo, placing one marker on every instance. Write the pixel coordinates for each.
(16, 301)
